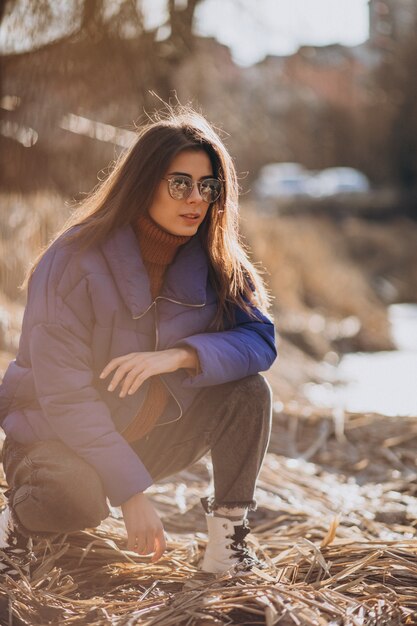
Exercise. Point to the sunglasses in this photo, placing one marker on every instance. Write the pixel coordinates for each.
(181, 186)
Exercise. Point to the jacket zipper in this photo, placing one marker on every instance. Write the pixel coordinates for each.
(160, 376)
(177, 302)
(156, 346)
(137, 317)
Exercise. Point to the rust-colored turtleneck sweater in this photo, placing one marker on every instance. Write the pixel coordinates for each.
(158, 249)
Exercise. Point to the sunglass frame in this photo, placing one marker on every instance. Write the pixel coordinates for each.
(188, 191)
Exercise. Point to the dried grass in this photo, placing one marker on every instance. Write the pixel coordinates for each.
(340, 550)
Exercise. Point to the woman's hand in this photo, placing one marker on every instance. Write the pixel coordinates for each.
(145, 532)
(133, 369)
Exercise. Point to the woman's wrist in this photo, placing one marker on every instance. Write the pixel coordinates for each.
(132, 498)
(188, 358)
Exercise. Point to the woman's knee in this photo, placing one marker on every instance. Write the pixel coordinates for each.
(61, 513)
(255, 389)
(251, 403)
(261, 393)
(61, 495)
(62, 510)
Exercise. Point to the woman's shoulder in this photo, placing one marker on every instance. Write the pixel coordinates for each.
(64, 261)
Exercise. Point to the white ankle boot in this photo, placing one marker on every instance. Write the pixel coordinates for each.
(226, 547)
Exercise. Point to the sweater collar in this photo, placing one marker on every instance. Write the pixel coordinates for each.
(185, 280)
(156, 245)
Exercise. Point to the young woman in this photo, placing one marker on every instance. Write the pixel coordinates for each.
(145, 330)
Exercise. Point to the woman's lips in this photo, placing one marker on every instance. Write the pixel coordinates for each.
(190, 216)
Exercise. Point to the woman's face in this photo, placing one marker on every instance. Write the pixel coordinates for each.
(182, 217)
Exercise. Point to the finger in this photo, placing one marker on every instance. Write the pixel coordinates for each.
(148, 370)
(131, 542)
(142, 542)
(151, 543)
(159, 546)
(130, 379)
(108, 369)
(140, 549)
(143, 546)
(115, 362)
(118, 376)
(111, 366)
(137, 383)
(159, 550)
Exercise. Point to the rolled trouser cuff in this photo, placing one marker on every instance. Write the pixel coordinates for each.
(209, 504)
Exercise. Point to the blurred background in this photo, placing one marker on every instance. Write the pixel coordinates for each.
(317, 102)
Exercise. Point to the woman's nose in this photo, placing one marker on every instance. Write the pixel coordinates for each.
(195, 195)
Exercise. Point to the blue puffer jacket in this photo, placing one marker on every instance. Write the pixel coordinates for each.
(86, 308)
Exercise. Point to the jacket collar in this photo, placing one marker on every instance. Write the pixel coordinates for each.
(185, 280)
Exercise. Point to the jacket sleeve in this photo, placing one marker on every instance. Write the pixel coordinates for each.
(247, 348)
(61, 360)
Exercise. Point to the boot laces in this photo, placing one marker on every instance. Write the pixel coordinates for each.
(239, 546)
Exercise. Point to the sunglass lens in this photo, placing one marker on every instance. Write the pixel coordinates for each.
(180, 187)
(210, 189)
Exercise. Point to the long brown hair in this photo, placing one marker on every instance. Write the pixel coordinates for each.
(129, 190)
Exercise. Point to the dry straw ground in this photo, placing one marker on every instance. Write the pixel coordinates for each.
(338, 534)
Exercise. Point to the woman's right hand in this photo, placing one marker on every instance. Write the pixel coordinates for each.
(145, 532)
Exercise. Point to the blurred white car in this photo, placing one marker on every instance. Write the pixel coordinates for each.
(282, 180)
(338, 180)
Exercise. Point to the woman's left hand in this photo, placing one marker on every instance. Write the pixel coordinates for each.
(131, 370)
